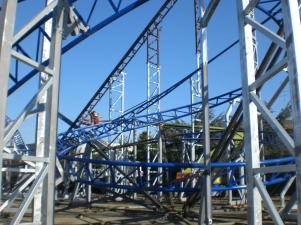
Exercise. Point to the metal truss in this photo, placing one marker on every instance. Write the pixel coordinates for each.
(69, 140)
(285, 44)
(81, 28)
(50, 86)
(17, 138)
(116, 103)
(42, 161)
(118, 76)
(72, 24)
(153, 89)
(195, 80)
(125, 60)
(252, 104)
(285, 172)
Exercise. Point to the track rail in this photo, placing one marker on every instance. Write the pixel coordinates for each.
(174, 185)
(69, 140)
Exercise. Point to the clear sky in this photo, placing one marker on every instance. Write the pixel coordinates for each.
(87, 65)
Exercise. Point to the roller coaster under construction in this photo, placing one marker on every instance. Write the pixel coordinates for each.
(213, 161)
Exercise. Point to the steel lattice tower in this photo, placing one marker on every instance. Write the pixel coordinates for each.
(254, 74)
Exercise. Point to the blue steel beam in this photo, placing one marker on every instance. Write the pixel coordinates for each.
(274, 10)
(129, 55)
(101, 91)
(69, 140)
(18, 140)
(174, 184)
(77, 40)
(102, 24)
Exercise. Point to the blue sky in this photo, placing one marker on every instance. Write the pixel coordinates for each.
(87, 65)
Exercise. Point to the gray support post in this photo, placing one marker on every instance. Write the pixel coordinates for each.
(291, 19)
(160, 180)
(206, 128)
(52, 114)
(250, 114)
(88, 152)
(195, 83)
(153, 87)
(135, 156)
(7, 23)
(284, 190)
(38, 211)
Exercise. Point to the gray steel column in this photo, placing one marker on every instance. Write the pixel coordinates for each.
(88, 152)
(7, 23)
(250, 114)
(160, 154)
(116, 96)
(135, 155)
(195, 81)
(206, 129)
(52, 114)
(40, 197)
(291, 19)
(153, 86)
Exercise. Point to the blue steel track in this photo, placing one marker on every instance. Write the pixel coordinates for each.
(71, 139)
(173, 185)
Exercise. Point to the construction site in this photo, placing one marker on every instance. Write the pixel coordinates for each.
(150, 112)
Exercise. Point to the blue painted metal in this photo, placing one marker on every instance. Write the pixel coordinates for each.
(91, 11)
(18, 140)
(77, 40)
(89, 134)
(99, 26)
(270, 138)
(173, 184)
(274, 10)
(69, 140)
(99, 94)
(125, 60)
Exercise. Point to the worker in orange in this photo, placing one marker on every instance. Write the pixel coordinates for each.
(94, 119)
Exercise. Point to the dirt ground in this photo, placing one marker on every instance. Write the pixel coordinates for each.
(105, 210)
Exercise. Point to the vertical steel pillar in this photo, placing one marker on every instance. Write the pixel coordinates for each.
(291, 19)
(227, 121)
(7, 23)
(40, 197)
(46, 171)
(160, 152)
(153, 85)
(88, 152)
(250, 114)
(195, 80)
(135, 155)
(206, 129)
(116, 96)
(52, 112)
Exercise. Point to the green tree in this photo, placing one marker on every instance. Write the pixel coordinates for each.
(142, 147)
(172, 133)
(199, 116)
(218, 121)
(284, 118)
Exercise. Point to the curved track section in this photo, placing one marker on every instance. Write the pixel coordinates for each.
(69, 140)
(133, 171)
(133, 180)
(125, 60)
